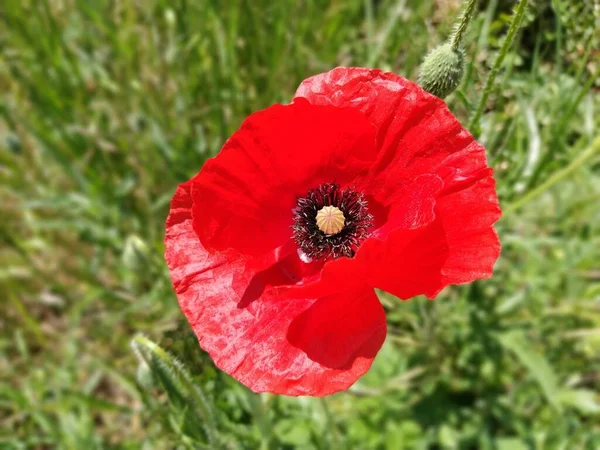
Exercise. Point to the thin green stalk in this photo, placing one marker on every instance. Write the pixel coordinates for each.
(515, 23)
(370, 20)
(261, 419)
(29, 322)
(386, 33)
(335, 433)
(573, 106)
(462, 24)
(587, 154)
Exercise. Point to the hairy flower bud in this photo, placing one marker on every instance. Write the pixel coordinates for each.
(442, 69)
(135, 253)
(144, 375)
(136, 262)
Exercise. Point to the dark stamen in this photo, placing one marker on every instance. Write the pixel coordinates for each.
(314, 242)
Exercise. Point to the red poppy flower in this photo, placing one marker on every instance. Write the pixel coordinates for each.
(364, 181)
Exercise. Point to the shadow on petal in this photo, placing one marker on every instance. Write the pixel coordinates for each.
(339, 328)
(284, 268)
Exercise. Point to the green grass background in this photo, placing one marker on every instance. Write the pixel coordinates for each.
(105, 106)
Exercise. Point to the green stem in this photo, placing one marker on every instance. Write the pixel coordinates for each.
(335, 434)
(260, 417)
(588, 153)
(369, 19)
(515, 23)
(463, 23)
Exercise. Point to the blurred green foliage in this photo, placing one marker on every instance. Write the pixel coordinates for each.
(107, 105)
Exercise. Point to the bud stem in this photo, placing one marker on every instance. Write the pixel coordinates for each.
(463, 23)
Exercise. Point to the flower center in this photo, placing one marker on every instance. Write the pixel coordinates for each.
(331, 222)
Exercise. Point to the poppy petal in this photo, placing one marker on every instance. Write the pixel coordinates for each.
(430, 173)
(415, 130)
(294, 346)
(251, 186)
(473, 243)
(456, 244)
(407, 263)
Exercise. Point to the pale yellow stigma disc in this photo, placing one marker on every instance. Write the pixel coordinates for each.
(330, 220)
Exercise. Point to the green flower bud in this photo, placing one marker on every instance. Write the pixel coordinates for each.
(442, 69)
(144, 375)
(135, 254)
(136, 262)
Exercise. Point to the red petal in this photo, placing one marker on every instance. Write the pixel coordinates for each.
(410, 206)
(468, 208)
(467, 217)
(407, 263)
(430, 176)
(415, 130)
(251, 187)
(301, 346)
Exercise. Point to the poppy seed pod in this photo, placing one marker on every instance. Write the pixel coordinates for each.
(442, 70)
